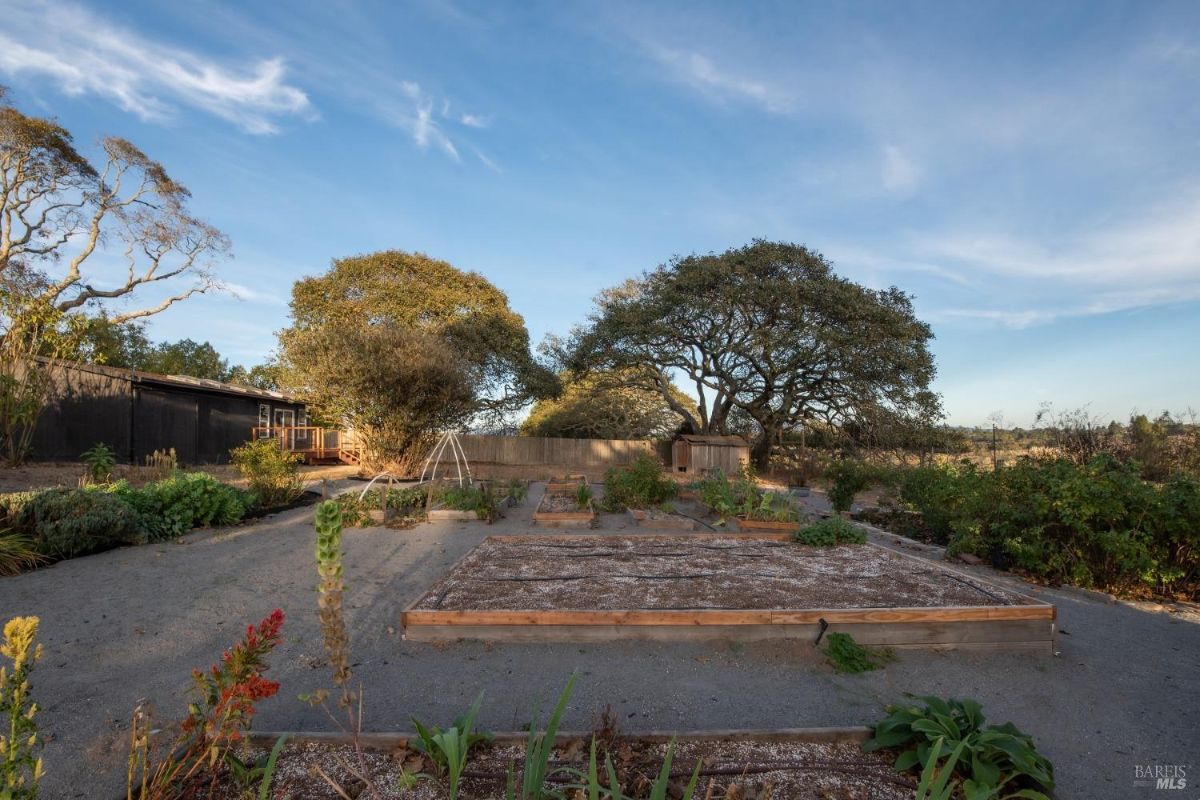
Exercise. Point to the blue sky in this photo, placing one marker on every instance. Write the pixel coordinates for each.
(1028, 171)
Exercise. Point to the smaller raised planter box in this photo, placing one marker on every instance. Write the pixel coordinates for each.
(768, 526)
(570, 483)
(561, 511)
(660, 520)
(443, 514)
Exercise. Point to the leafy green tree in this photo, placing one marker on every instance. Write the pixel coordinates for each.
(767, 330)
(260, 376)
(186, 357)
(467, 352)
(600, 406)
(59, 215)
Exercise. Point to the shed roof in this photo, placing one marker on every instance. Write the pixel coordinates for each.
(715, 441)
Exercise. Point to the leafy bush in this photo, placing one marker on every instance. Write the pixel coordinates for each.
(272, 472)
(993, 759)
(768, 507)
(99, 461)
(830, 532)
(642, 484)
(65, 523)
(449, 749)
(727, 497)
(849, 477)
(186, 500)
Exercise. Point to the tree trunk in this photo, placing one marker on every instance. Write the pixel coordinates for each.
(760, 452)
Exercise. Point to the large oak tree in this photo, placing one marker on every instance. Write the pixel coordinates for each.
(356, 329)
(769, 331)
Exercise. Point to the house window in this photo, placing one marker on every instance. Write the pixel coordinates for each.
(264, 420)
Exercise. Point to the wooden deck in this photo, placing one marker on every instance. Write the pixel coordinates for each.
(315, 445)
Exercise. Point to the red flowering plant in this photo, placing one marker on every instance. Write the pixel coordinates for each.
(222, 710)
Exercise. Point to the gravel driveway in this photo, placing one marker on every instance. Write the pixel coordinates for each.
(131, 624)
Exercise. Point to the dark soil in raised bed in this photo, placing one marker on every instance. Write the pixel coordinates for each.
(791, 770)
(682, 572)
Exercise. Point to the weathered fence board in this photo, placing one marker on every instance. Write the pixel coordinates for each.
(543, 450)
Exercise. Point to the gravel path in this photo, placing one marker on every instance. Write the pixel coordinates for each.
(131, 624)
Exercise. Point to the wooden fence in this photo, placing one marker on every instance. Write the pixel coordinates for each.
(540, 450)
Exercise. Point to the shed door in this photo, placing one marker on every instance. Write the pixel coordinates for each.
(681, 453)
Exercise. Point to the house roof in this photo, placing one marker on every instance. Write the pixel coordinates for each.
(716, 441)
(184, 381)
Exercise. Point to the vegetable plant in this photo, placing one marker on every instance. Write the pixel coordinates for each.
(830, 532)
(996, 761)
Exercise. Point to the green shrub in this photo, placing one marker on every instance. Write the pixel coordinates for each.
(849, 477)
(642, 484)
(272, 472)
(65, 523)
(99, 461)
(186, 500)
(727, 497)
(996, 761)
(768, 507)
(830, 532)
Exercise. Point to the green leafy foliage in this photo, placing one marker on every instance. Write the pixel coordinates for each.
(186, 500)
(660, 789)
(768, 507)
(727, 497)
(253, 779)
(936, 783)
(65, 523)
(272, 473)
(991, 760)
(408, 502)
(449, 749)
(847, 655)
(99, 461)
(830, 532)
(1097, 525)
(847, 478)
(642, 484)
(467, 498)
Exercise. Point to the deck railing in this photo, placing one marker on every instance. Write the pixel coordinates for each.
(313, 443)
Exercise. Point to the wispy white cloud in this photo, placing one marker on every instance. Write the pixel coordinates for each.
(84, 54)
(243, 292)
(703, 74)
(474, 121)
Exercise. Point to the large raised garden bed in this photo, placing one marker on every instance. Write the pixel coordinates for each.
(747, 586)
(797, 764)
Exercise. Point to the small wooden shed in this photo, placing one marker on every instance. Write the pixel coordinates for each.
(696, 455)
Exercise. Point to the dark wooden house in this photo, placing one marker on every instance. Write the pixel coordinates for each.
(136, 413)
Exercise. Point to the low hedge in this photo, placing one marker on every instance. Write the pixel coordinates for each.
(65, 523)
(1098, 525)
